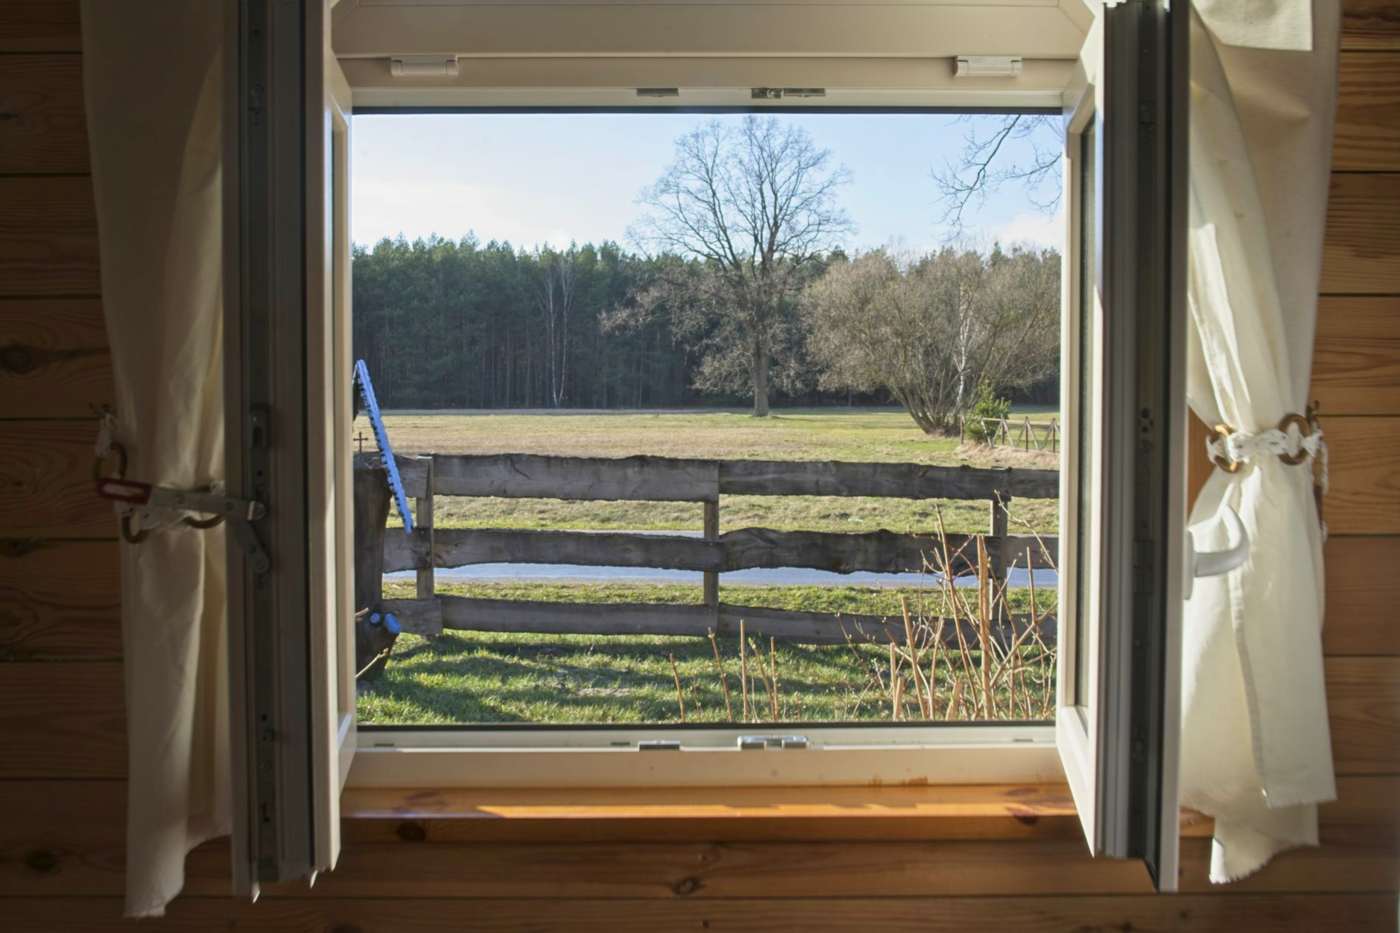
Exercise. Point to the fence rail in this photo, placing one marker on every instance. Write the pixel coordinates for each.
(1025, 433)
(381, 550)
(745, 549)
(664, 479)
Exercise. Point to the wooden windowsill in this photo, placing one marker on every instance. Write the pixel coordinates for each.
(991, 811)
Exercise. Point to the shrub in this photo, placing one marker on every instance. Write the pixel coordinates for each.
(988, 411)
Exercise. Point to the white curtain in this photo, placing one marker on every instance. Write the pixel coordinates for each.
(153, 88)
(1256, 753)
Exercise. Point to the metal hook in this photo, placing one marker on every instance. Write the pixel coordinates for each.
(1215, 563)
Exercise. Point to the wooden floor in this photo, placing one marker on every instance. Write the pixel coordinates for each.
(62, 772)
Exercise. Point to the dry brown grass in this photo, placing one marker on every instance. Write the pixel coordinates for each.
(986, 670)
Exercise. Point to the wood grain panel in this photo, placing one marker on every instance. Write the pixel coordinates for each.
(46, 487)
(698, 814)
(54, 361)
(65, 719)
(67, 838)
(62, 720)
(1363, 596)
(1368, 113)
(1326, 868)
(1240, 914)
(1365, 471)
(42, 126)
(39, 26)
(48, 236)
(1370, 24)
(1361, 254)
(1366, 814)
(59, 600)
(1356, 355)
(1363, 702)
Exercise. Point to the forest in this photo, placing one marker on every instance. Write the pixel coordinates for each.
(462, 324)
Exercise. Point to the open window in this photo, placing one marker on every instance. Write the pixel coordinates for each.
(288, 409)
(1123, 486)
(290, 436)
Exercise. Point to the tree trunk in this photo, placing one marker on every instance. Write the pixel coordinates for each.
(760, 380)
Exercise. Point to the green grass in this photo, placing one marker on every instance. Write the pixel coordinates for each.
(472, 677)
(477, 677)
(788, 434)
(804, 434)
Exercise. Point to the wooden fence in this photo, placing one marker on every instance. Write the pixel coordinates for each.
(381, 550)
(1025, 433)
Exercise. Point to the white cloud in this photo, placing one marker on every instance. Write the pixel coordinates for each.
(1035, 228)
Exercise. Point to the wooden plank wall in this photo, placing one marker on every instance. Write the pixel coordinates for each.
(63, 762)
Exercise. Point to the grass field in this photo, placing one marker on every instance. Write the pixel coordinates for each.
(481, 677)
(804, 434)
(467, 677)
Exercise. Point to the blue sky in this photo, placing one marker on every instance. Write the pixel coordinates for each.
(556, 178)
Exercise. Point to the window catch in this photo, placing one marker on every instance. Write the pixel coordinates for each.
(424, 66)
(749, 743)
(659, 745)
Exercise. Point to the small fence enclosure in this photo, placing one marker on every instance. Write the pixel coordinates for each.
(383, 550)
(1002, 432)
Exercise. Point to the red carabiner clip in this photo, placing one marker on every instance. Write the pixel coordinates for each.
(124, 490)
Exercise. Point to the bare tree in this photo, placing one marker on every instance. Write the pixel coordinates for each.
(555, 297)
(756, 202)
(984, 165)
(930, 330)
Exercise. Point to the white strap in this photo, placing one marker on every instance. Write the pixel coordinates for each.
(1239, 447)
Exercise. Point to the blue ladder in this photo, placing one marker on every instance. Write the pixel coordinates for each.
(381, 437)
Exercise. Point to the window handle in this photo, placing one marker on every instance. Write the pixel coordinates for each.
(1214, 563)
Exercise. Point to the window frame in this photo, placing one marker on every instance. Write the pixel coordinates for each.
(406, 755)
(269, 641)
(1080, 648)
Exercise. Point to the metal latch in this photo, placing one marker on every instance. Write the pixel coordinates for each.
(750, 743)
(134, 493)
(240, 513)
(659, 745)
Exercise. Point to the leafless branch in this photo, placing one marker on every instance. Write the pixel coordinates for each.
(982, 168)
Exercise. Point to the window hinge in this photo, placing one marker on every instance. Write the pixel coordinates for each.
(761, 742)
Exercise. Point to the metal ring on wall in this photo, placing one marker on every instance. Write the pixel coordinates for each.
(1221, 433)
(1304, 430)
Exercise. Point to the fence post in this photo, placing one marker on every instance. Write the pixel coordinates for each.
(423, 519)
(996, 553)
(712, 534)
(371, 497)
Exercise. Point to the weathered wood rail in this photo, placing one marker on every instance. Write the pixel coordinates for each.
(713, 553)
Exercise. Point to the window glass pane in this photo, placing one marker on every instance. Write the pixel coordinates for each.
(761, 296)
(1087, 414)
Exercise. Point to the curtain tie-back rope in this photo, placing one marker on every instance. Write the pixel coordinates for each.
(1297, 439)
